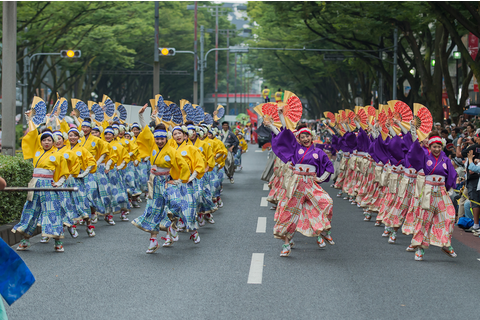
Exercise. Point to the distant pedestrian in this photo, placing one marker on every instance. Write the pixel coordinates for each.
(266, 94)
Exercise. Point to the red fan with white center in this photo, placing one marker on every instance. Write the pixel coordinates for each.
(361, 116)
(269, 113)
(402, 113)
(292, 109)
(331, 117)
(382, 120)
(423, 121)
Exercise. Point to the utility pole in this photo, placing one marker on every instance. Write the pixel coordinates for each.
(216, 57)
(156, 62)
(195, 57)
(228, 70)
(25, 84)
(202, 66)
(9, 76)
(235, 82)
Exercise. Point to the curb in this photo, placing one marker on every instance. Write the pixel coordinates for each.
(13, 238)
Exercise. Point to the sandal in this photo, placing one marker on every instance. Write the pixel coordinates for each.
(45, 240)
(59, 246)
(24, 244)
(450, 252)
(328, 238)
(153, 245)
(285, 250)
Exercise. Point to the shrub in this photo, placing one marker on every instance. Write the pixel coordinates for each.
(17, 172)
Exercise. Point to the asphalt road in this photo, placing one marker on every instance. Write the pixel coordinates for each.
(360, 277)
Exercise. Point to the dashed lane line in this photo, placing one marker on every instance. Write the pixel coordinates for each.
(265, 187)
(264, 202)
(256, 269)
(262, 225)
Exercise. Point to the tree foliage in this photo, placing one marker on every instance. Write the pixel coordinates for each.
(114, 37)
(426, 32)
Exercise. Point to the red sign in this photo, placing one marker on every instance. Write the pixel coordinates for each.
(475, 84)
(472, 45)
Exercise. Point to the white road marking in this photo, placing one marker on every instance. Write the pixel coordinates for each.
(258, 151)
(265, 187)
(262, 225)
(264, 202)
(256, 269)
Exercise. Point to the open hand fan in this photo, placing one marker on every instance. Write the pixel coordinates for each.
(219, 113)
(39, 111)
(350, 115)
(292, 109)
(423, 121)
(108, 106)
(338, 122)
(167, 113)
(96, 112)
(199, 114)
(177, 116)
(208, 119)
(361, 116)
(80, 108)
(160, 106)
(187, 110)
(121, 111)
(269, 112)
(266, 146)
(401, 112)
(60, 108)
(371, 111)
(331, 117)
(382, 120)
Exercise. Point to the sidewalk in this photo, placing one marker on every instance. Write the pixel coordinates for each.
(467, 238)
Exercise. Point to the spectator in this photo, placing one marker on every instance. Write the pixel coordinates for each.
(438, 126)
(454, 136)
(472, 180)
(449, 146)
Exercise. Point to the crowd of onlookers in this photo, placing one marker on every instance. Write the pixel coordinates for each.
(463, 148)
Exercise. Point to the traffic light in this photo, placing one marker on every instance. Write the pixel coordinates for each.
(167, 51)
(70, 53)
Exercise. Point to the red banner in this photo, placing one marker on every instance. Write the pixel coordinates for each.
(475, 84)
(472, 45)
(253, 116)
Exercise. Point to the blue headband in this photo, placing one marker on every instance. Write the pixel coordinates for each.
(58, 133)
(115, 126)
(109, 130)
(74, 130)
(48, 133)
(86, 124)
(136, 125)
(160, 134)
(177, 128)
(96, 128)
(191, 127)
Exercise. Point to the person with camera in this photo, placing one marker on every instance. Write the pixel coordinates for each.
(472, 178)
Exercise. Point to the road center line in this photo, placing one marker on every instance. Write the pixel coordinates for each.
(264, 202)
(256, 269)
(265, 187)
(262, 225)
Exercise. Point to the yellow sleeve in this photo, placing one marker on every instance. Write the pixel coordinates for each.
(210, 156)
(112, 155)
(180, 168)
(145, 142)
(88, 160)
(197, 161)
(30, 144)
(64, 127)
(61, 167)
(74, 162)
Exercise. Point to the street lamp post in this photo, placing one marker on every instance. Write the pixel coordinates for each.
(457, 55)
